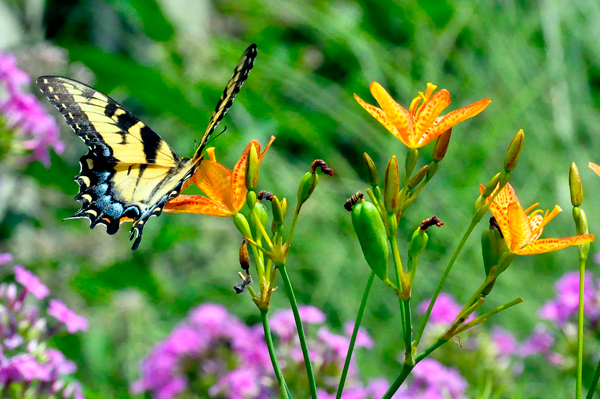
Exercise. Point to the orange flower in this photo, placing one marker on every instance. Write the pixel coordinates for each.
(225, 189)
(418, 126)
(522, 229)
(594, 167)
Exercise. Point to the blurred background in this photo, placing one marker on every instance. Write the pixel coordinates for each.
(168, 61)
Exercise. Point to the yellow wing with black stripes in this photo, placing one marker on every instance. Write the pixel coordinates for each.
(129, 172)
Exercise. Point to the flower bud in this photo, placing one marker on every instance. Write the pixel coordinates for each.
(262, 215)
(575, 186)
(242, 225)
(251, 199)
(278, 215)
(416, 179)
(491, 186)
(441, 146)
(307, 186)
(252, 165)
(411, 161)
(284, 207)
(418, 243)
(371, 170)
(581, 224)
(372, 237)
(244, 256)
(492, 248)
(392, 185)
(431, 171)
(514, 152)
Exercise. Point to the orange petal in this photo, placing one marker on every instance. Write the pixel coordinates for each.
(381, 117)
(429, 111)
(594, 167)
(215, 181)
(499, 209)
(458, 116)
(519, 227)
(395, 113)
(536, 222)
(554, 244)
(195, 204)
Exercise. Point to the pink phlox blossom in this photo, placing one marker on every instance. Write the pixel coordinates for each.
(252, 349)
(185, 340)
(62, 313)
(363, 339)
(73, 390)
(444, 310)
(378, 387)
(504, 341)
(58, 364)
(31, 282)
(159, 373)
(434, 380)
(10, 74)
(28, 368)
(284, 326)
(5, 258)
(540, 341)
(239, 384)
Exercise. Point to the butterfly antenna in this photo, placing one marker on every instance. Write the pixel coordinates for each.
(215, 136)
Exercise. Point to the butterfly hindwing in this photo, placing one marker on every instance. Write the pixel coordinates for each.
(129, 172)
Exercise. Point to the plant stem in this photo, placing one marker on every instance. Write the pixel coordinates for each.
(361, 311)
(594, 383)
(270, 346)
(440, 285)
(288, 241)
(406, 369)
(294, 304)
(407, 331)
(580, 330)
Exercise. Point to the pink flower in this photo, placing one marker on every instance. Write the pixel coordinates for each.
(31, 282)
(540, 341)
(504, 340)
(363, 339)
(284, 326)
(62, 313)
(29, 369)
(238, 384)
(444, 311)
(5, 258)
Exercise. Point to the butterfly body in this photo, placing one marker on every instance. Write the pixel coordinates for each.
(129, 172)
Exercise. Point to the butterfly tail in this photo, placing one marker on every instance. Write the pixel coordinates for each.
(240, 74)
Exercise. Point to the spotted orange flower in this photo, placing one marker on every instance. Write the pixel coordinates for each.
(225, 189)
(522, 228)
(418, 126)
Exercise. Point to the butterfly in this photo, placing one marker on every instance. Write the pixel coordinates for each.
(129, 172)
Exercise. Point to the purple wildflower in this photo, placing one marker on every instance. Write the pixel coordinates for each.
(31, 282)
(434, 380)
(284, 326)
(29, 369)
(363, 339)
(24, 112)
(5, 258)
(70, 319)
(504, 341)
(378, 387)
(566, 303)
(238, 384)
(58, 363)
(444, 310)
(540, 341)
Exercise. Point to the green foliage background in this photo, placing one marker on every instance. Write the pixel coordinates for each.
(168, 60)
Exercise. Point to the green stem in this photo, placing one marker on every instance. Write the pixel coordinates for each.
(361, 311)
(407, 331)
(288, 241)
(294, 304)
(440, 285)
(397, 262)
(406, 369)
(271, 347)
(580, 330)
(487, 315)
(595, 379)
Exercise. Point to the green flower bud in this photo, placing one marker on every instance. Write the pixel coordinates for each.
(372, 237)
(261, 211)
(242, 225)
(431, 171)
(581, 222)
(371, 170)
(575, 186)
(278, 215)
(392, 186)
(491, 186)
(307, 186)
(416, 179)
(411, 161)
(284, 207)
(251, 199)
(492, 248)
(514, 152)
(418, 243)
(441, 146)
(252, 168)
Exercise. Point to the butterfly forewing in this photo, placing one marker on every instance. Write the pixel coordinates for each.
(129, 172)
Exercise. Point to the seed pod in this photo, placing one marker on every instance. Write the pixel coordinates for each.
(418, 242)
(242, 225)
(307, 186)
(372, 237)
(492, 248)
(263, 216)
